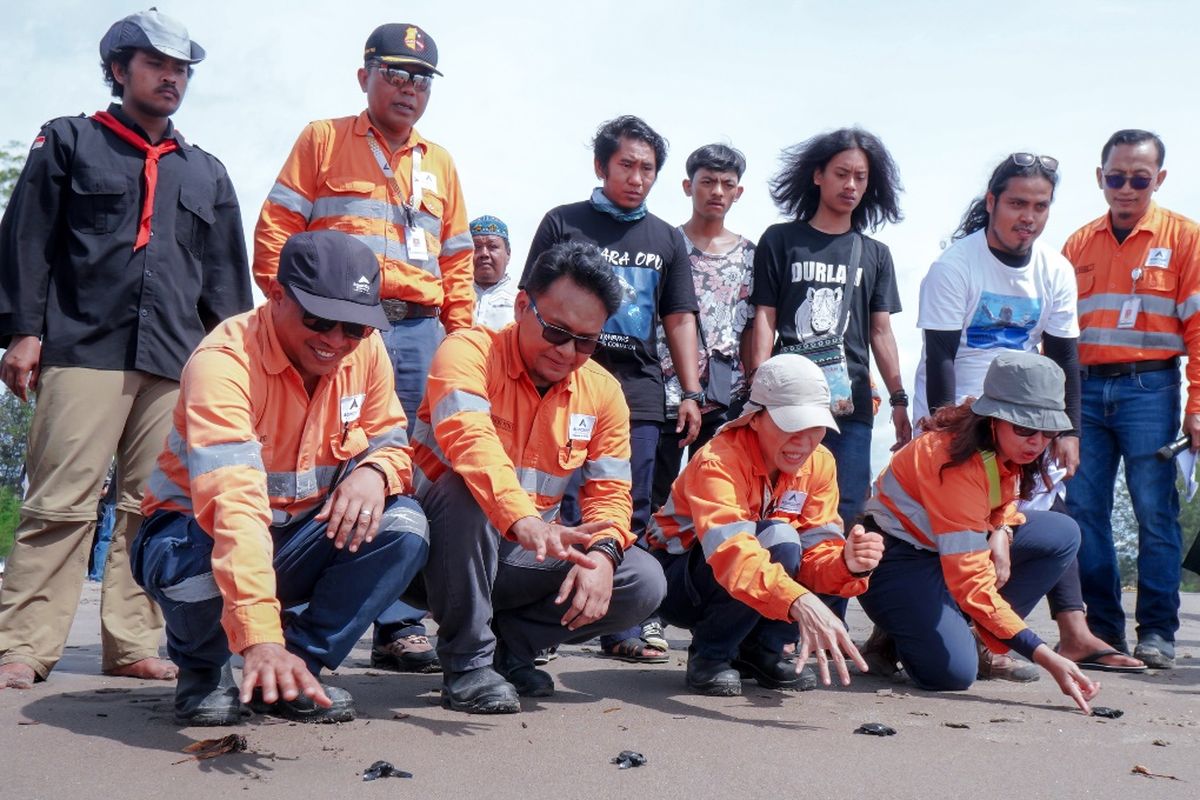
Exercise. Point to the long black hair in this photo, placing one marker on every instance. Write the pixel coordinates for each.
(977, 217)
(797, 196)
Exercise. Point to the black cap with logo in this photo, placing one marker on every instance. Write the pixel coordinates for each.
(401, 43)
(334, 276)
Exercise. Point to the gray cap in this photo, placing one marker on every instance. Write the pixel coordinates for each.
(151, 30)
(1025, 389)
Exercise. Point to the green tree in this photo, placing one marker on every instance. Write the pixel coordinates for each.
(12, 159)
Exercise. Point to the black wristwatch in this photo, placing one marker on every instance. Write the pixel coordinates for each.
(898, 399)
(696, 396)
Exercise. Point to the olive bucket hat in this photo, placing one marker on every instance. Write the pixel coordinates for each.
(1026, 389)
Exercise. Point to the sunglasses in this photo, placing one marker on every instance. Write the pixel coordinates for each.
(1049, 163)
(398, 77)
(352, 330)
(1138, 182)
(584, 345)
(1025, 433)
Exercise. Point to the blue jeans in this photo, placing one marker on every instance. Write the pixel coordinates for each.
(908, 598)
(1128, 418)
(719, 622)
(329, 596)
(410, 345)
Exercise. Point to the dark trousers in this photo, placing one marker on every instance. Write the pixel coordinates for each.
(720, 623)
(908, 598)
(329, 596)
(481, 586)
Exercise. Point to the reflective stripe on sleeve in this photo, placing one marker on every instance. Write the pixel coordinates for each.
(607, 468)
(959, 542)
(542, 483)
(813, 536)
(203, 460)
(396, 437)
(456, 402)
(714, 537)
(776, 534)
(423, 435)
(293, 486)
(195, 589)
(457, 244)
(290, 199)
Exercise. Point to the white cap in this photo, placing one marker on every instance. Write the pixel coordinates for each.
(794, 392)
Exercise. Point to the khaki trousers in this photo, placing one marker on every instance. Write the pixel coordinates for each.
(83, 416)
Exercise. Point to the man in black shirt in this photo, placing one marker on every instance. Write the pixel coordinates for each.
(121, 246)
(651, 260)
(835, 186)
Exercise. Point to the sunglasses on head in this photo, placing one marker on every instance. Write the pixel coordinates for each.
(1025, 433)
(398, 76)
(584, 345)
(1138, 182)
(1049, 163)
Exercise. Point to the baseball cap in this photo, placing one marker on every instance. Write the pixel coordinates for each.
(151, 30)
(402, 43)
(1025, 389)
(333, 275)
(793, 390)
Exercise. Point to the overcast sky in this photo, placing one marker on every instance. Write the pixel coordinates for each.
(950, 87)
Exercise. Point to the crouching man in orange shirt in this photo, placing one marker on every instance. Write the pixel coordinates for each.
(282, 487)
(751, 530)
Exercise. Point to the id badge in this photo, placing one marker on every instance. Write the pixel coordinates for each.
(1129, 312)
(414, 240)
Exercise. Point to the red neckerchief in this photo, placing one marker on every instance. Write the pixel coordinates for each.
(153, 153)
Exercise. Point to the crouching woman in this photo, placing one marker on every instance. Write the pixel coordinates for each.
(751, 530)
(954, 542)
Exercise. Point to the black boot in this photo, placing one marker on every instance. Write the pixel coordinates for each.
(772, 670)
(712, 676)
(528, 680)
(208, 697)
(479, 691)
(303, 709)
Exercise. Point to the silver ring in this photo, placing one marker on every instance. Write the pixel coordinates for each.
(365, 514)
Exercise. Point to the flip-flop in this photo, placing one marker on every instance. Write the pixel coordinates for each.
(1092, 661)
(634, 651)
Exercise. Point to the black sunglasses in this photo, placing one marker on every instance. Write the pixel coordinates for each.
(584, 345)
(352, 330)
(1049, 163)
(1138, 182)
(1025, 433)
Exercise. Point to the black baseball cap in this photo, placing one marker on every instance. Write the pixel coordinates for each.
(401, 43)
(151, 30)
(333, 275)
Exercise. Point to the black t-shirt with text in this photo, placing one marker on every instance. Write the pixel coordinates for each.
(651, 261)
(804, 275)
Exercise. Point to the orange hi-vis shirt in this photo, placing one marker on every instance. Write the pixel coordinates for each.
(332, 181)
(1163, 250)
(719, 499)
(951, 513)
(515, 449)
(249, 449)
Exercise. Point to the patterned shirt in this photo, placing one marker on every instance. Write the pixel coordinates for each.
(723, 291)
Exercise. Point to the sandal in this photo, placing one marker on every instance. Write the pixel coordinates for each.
(635, 650)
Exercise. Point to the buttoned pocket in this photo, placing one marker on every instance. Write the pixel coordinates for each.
(1085, 279)
(99, 201)
(1158, 280)
(572, 456)
(196, 216)
(351, 445)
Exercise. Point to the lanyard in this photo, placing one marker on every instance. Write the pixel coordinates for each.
(386, 168)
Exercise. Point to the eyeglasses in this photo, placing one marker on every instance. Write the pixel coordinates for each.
(584, 345)
(1025, 433)
(421, 81)
(1138, 182)
(352, 330)
(1049, 163)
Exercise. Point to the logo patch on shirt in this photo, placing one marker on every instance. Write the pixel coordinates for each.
(426, 180)
(1159, 257)
(792, 501)
(352, 407)
(38, 142)
(362, 285)
(581, 428)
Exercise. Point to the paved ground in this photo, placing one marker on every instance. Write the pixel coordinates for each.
(84, 735)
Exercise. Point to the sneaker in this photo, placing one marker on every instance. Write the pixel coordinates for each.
(303, 709)
(412, 653)
(1155, 652)
(653, 635)
(544, 657)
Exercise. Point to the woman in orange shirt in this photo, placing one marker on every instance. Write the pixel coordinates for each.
(954, 542)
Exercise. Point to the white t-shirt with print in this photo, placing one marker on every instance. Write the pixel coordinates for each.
(997, 308)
